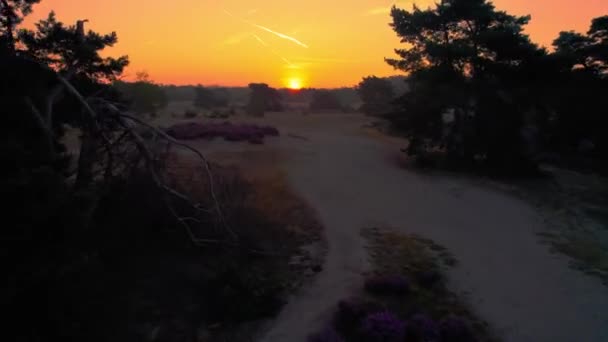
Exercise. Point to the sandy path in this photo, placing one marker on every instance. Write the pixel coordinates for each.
(525, 292)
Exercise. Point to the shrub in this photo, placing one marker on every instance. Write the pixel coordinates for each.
(456, 329)
(325, 100)
(423, 328)
(351, 312)
(428, 279)
(210, 97)
(252, 133)
(326, 335)
(189, 114)
(143, 95)
(262, 99)
(376, 94)
(384, 285)
(383, 326)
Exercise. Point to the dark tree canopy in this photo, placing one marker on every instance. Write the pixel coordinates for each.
(579, 99)
(210, 98)
(263, 99)
(467, 63)
(12, 13)
(463, 36)
(588, 52)
(376, 94)
(144, 96)
(68, 49)
(325, 100)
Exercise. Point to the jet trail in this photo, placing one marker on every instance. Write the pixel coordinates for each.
(280, 35)
(259, 39)
(271, 49)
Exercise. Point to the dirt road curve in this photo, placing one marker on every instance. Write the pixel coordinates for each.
(524, 291)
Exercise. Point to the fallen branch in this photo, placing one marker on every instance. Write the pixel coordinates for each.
(195, 151)
(149, 156)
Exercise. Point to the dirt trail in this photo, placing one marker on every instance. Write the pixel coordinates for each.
(524, 291)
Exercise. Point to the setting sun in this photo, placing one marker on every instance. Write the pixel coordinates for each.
(294, 83)
(233, 42)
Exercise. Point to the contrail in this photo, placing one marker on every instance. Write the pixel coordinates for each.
(278, 34)
(226, 11)
(259, 39)
(271, 49)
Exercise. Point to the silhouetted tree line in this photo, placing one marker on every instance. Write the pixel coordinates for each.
(481, 91)
(210, 97)
(325, 100)
(377, 95)
(143, 96)
(263, 99)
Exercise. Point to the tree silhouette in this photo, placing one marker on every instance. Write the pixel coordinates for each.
(144, 96)
(11, 15)
(579, 100)
(209, 98)
(468, 65)
(588, 52)
(325, 100)
(262, 99)
(376, 94)
(75, 55)
(71, 51)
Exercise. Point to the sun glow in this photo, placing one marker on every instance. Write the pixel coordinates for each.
(294, 83)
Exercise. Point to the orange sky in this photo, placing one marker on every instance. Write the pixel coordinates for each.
(321, 43)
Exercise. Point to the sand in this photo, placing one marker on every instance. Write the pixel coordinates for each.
(523, 290)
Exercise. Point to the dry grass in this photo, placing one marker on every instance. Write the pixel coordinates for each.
(410, 256)
(275, 199)
(281, 223)
(271, 193)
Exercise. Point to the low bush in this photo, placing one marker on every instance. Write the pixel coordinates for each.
(231, 132)
(383, 326)
(386, 285)
(189, 114)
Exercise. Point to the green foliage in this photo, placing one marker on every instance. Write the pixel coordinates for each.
(376, 94)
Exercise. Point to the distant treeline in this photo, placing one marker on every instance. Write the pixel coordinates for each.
(145, 96)
(240, 95)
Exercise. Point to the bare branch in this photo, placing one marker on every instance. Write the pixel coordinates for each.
(195, 151)
(149, 156)
(47, 130)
